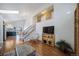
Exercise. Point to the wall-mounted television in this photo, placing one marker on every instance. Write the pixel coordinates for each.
(48, 29)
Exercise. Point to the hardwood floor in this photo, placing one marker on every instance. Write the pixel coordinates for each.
(10, 43)
(45, 50)
(41, 49)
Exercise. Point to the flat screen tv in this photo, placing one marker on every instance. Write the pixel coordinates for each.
(48, 29)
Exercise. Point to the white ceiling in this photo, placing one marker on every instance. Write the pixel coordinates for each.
(25, 9)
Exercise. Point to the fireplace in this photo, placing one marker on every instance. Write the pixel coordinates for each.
(48, 36)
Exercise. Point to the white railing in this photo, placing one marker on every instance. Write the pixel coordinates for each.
(28, 31)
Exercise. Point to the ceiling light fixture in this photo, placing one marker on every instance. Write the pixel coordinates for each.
(9, 12)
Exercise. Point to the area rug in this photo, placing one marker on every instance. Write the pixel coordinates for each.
(22, 50)
(25, 50)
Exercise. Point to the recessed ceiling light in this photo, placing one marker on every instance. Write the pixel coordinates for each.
(9, 11)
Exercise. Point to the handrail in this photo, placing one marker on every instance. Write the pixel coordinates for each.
(28, 27)
(26, 31)
(29, 33)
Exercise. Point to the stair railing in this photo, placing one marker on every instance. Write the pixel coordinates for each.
(28, 31)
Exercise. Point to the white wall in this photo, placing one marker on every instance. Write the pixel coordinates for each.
(63, 20)
(1, 29)
(29, 17)
(28, 22)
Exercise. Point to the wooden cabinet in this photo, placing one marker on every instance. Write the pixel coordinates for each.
(48, 39)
